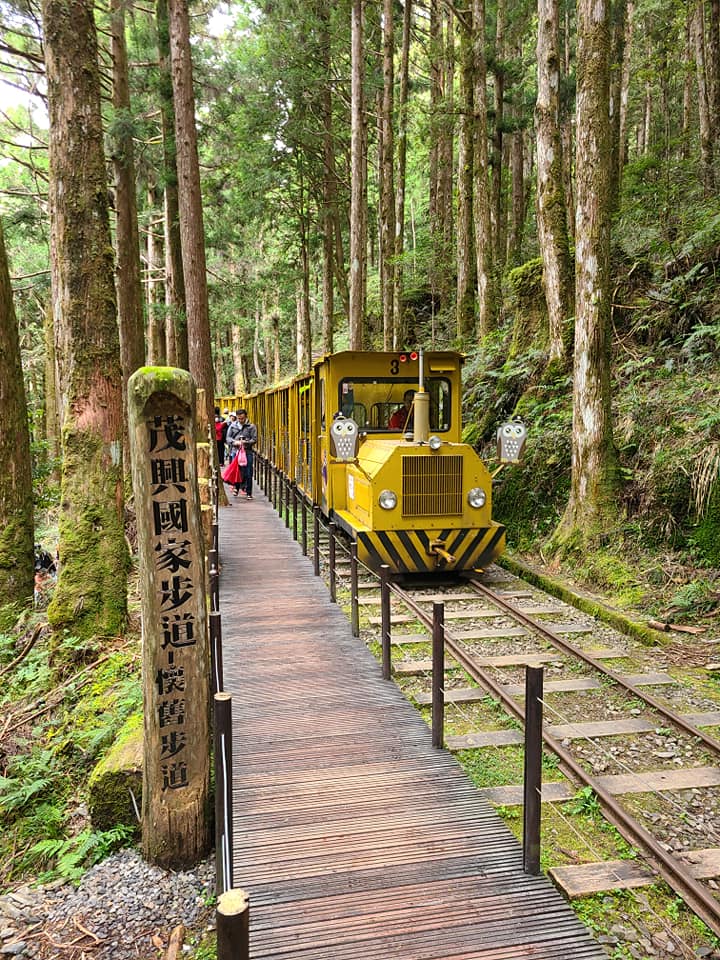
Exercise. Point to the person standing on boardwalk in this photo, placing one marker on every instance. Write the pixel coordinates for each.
(243, 436)
(221, 426)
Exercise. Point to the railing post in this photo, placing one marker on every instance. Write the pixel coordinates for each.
(533, 769)
(216, 662)
(332, 545)
(287, 502)
(354, 605)
(385, 615)
(232, 919)
(438, 674)
(223, 792)
(294, 499)
(214, 581)
(316, 541)
(303, 524)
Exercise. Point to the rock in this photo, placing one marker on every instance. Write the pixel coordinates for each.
(14, 949)
(118, 773)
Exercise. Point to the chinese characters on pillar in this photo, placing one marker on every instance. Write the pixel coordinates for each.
(177, 579)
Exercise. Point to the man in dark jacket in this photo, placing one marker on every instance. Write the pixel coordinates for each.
(243, 435)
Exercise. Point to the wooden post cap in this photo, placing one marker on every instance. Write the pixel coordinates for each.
(232, 903)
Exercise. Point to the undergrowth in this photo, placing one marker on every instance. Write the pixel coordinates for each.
(60, 714)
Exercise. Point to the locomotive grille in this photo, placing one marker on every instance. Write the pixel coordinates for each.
(432, 486)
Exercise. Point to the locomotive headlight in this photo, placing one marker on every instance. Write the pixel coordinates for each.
(476, 497)
(388, 499)
(435, 442)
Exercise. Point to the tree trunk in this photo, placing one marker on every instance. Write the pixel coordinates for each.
(52, 416)
(16, 493)
(486, 283)
(706, 125)
(329, 190)
(446, 130)
(275, 320)
(127, 271)
(176, 326)
(617, 62)
(465, 261)
(551, 213)
(387, 192)
(566, 128)
(399, 324)
(358, 220)
(304, 319)
(192, 230)
(498, 208)
(687, 105)
(713, 69)
(91, 593)
(625, 85)
(240, 383)
(592, 506)
(517, 173)
(157, 313)
(434, 125)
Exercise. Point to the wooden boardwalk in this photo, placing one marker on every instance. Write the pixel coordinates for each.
(355, 839)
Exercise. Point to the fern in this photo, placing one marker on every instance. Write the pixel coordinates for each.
(16, 793)
(72, 856)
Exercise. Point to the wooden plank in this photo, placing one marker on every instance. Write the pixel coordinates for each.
(601, 728)
(411, 668)
(486, 738)
(651, 780)
(590, 683)
(496, 633)
(583, 879)
(512, 795)
(647, 781)
(709, 719)
(477, 613)
(569, 627)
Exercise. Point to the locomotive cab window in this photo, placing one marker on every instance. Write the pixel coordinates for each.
(379, 405)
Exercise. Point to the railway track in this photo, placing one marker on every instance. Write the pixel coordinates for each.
(617, 730)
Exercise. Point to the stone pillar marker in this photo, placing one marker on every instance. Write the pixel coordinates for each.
(176, 664)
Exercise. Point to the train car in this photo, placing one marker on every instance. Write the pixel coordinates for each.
(375, 440)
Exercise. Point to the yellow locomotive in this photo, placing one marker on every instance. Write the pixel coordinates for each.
(375, 440)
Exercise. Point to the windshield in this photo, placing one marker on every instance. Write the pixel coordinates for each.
(384, 404)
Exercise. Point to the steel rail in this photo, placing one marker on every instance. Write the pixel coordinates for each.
(695, 895)
(570, 648)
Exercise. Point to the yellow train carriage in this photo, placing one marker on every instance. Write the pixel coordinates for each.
(413, 497)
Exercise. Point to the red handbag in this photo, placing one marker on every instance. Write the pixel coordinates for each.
(232, 472)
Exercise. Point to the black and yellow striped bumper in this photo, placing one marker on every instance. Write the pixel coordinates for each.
(410, 551)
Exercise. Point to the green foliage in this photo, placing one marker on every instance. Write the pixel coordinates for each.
(584, 803)
(29, 778)
(695, 598)
(68, 858)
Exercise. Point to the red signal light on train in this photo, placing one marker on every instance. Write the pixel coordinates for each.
(413, 355)
(403, 358)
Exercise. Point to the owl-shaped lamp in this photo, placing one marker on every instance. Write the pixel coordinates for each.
(511, 437)
(343, 438)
